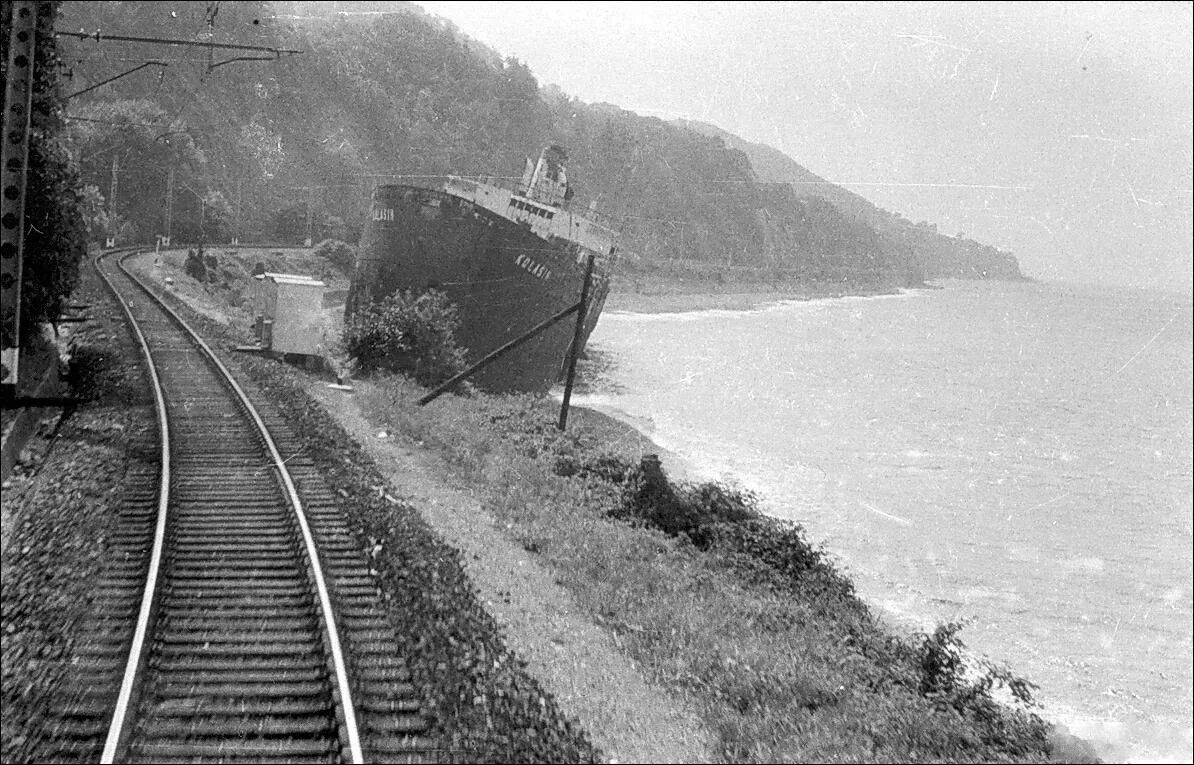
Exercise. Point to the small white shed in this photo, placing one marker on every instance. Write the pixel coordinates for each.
(289, 313)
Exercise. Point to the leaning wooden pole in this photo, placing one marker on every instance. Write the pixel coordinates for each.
(489, 357)
(577, 337)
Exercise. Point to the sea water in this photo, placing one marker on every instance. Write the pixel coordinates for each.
(1015, 455)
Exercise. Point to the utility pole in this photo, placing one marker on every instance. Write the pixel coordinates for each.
(111, 235)
(18, 99)
(577, 337)
(112, 188)
(169, 205)
(237, 232)
(310, 213)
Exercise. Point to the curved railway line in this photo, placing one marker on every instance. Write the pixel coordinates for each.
(259, 632)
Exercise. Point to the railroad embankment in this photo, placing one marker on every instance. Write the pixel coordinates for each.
(727, 630)
(483, 704)
(59, 516)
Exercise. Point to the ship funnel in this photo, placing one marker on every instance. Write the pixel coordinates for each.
(549, 183)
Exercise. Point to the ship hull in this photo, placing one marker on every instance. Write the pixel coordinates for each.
(502, 278)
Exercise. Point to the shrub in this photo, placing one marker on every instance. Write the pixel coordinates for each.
(195, 267)
(944, 666)
(87, 367)
(777, 555)
(648, 496)
(406, 333)
(340, 254)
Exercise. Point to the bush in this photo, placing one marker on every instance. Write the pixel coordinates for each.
(944, 666)
(87, 368)
(648, 496)
(195, 267)
(777, 555)
(340, 254)
(413, 335)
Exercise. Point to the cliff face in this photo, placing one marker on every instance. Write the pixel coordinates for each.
(252, 145)
(917, 246)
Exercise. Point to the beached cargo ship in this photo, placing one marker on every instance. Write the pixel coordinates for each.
(508, 259)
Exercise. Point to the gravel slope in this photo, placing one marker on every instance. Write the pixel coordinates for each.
(59, 510)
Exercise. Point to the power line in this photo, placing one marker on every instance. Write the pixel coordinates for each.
(100, 37)
(117, 77)
(128, 59)
(115, 122)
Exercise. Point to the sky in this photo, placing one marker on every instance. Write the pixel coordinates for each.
(1058, 131)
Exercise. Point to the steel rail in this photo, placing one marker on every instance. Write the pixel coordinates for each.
(334, 647)
(159, 535)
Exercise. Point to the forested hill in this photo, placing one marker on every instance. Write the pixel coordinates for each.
(248, 147)
(936, 254)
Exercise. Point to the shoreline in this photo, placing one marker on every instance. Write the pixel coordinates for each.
(1117, 738)
(1071, 726)
(685, 297)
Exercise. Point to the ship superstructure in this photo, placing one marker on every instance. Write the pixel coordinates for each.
(541, 203)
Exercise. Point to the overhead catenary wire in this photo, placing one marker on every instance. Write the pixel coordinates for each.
(116, 77)
(116, 122)
(99, 36)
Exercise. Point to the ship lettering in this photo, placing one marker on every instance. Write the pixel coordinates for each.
(383, 213)
(538, 270)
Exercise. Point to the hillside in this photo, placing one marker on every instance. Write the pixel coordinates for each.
(935, 254)
(279, 149)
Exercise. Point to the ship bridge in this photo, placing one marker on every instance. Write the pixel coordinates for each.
(542, 204)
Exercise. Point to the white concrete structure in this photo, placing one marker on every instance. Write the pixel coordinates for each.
(289, 314)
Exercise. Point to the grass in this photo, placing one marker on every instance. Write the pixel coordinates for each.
(732, 611)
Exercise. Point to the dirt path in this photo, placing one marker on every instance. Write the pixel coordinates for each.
(572, 657)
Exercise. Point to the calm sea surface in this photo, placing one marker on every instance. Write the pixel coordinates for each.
(1014, 454)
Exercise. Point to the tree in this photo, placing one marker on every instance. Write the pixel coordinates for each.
(140, 144)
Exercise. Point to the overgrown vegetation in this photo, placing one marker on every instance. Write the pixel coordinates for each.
(407, 333)
(87, 367)
(200, 266)
(731, 609)
(340, 254)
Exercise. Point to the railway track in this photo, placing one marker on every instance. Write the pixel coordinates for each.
(260, 634)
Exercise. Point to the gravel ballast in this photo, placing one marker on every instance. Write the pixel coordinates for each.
(59, 511)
